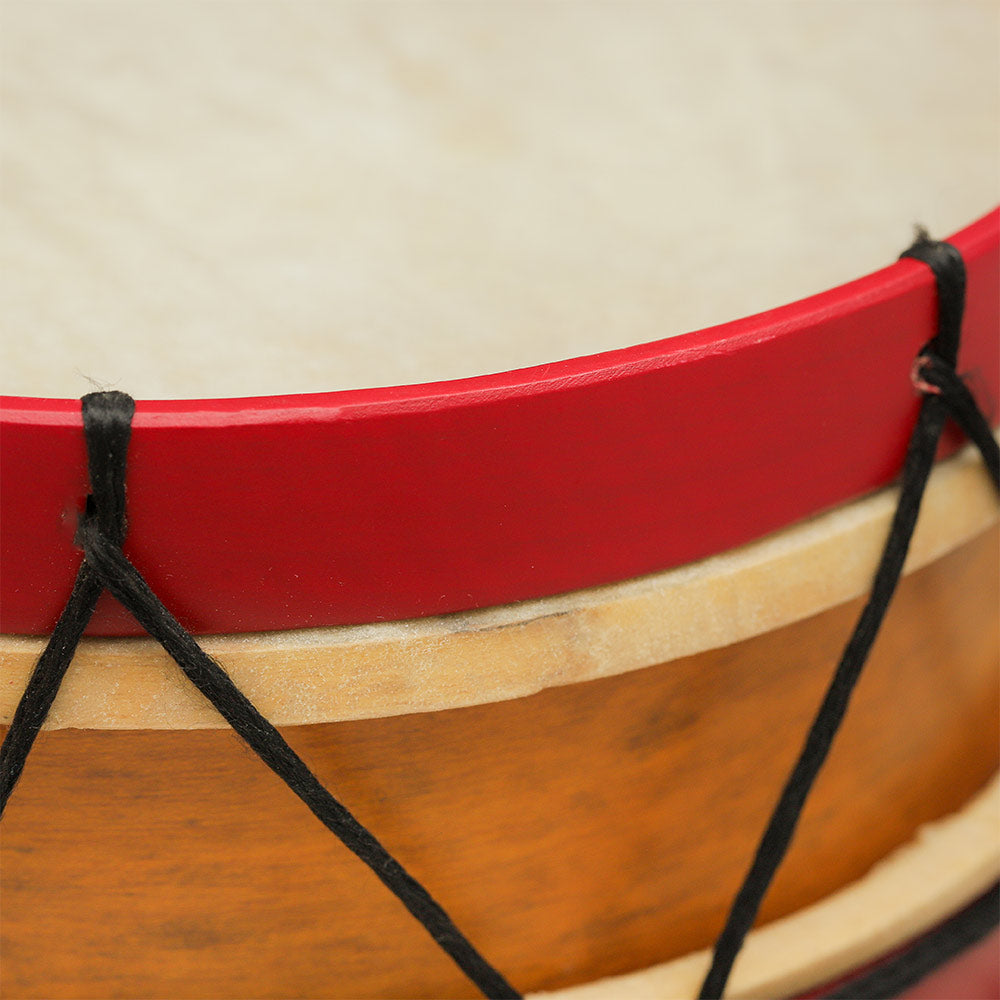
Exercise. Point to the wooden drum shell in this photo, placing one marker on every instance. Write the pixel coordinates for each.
(582, 832)
(545, 589)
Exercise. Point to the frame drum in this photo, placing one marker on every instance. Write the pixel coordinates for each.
(548, 612)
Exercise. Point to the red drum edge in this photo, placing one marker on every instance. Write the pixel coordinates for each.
(393, 503)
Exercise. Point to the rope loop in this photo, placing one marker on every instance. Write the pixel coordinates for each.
(107, 428)
(107, 425)
(948, 267)
(945, 394)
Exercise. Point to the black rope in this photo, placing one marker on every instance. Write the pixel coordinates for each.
(938, 378)
(948, 268)
(944, 395)
(927, 953)
(107, 426)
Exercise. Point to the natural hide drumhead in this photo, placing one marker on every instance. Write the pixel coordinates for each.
(215, 199)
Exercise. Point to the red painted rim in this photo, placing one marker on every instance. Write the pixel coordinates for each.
(361, 506)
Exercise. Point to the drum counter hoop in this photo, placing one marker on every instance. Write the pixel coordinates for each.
(554, 635)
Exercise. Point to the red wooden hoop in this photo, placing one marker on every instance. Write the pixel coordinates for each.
(347, 507)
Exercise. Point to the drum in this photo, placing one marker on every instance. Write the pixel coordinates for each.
(543, 586)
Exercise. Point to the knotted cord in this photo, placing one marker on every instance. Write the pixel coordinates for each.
(107, 420)
(944, 395)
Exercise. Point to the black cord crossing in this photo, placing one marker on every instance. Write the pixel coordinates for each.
(945, 395)
(107, 420)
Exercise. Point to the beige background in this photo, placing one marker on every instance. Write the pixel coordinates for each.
(226, 197)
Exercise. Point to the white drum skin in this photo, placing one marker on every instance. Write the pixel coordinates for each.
(205, 199)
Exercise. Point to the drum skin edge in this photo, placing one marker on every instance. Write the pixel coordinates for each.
(404, 502)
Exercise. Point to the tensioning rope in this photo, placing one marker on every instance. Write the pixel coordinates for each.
(944, 395)
(107, 422)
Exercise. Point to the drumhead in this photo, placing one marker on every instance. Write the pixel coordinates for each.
(205, 199)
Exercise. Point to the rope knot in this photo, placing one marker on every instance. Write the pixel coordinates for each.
(929, 373)
(107, 428)
(948, 268)
(107, 422)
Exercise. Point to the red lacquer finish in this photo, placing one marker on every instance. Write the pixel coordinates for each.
(325, 509)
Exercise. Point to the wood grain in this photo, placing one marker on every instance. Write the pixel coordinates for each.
(915, 889)
(582, 832)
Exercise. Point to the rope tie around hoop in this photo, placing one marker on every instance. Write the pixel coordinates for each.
(107, 421)
(944, 395)
(107, 418)
(107, 427)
